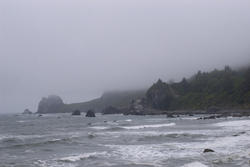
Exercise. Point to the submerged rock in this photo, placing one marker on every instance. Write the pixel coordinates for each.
(90, 113)
(170, 115)
(76, 112)
(27, 111)
(91, 136)
(211, 117)
(240, 133)
(208, 150)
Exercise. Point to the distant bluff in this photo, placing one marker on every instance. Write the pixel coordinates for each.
(50, 104)
(117, 99)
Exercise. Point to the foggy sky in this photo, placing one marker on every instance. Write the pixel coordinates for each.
(78, 49)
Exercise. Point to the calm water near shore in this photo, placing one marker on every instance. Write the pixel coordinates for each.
(122, 141)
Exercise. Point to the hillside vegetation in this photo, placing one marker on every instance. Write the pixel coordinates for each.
(119, 99)
(222, 88)
(225, 89)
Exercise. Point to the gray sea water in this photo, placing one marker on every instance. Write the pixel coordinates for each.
(122, 141)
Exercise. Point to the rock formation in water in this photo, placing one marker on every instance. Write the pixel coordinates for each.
(90, 113)
(207, 150)
(76, 112)
(27, 111)
(51, 104)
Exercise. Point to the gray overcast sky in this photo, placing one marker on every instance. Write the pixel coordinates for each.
(80, 48)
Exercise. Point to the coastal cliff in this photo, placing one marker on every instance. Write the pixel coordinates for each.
(220, 89)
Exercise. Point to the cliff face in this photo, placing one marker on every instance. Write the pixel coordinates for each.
(160, 95)
(117, 99)
(50, 104)
(220, 88)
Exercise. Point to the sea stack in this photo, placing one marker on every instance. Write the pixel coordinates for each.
(90, 113)
(51, 104)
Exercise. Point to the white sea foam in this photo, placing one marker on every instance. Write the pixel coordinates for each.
(157, 152)
(99, 127)
(73, 158)
(238, 123)
(222, 145)
(48, 163)
(149, 126)
(189, 118)
(135, 127)
(152, 133)
(57, 136)
(19, 137)
(153, 153)
(146, 154)
(23, 121)
(2, 137)
(194, 164)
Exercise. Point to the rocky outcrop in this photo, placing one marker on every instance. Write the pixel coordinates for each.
(90, 113)
(137, 107)
(111, 110)
(27, 111)
(51, 104)
(76, 112)
(160, 95)
(170, 115)
(140, 107)
(118, 99)
(207, 150)
(227, 113)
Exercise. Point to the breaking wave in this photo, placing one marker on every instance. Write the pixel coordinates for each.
(149, 126)
(74, 158)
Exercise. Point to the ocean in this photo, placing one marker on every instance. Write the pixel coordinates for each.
(62, 140)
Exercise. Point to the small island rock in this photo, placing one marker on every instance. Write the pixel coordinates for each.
(208, 150)
(170, 115)
(90, 113)
(50, 104)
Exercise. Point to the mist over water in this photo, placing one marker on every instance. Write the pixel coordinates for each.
(112, 51)
(79, 49)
